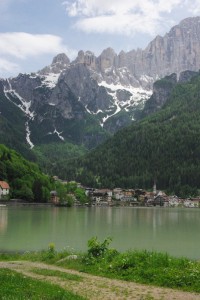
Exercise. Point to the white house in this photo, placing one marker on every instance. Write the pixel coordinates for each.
(4, 188)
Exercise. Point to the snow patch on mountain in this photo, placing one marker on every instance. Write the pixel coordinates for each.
(138, 96)
(58, 134)
(28, 133)
(116, 104)
(147, 78)
(24, 106)
(50, 80)
(137, 93)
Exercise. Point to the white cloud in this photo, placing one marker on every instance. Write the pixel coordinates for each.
(23, 45)
(16, 48)
(194, 7)
(120, 24)
(126, 16)
(91, 8)
(8, 67)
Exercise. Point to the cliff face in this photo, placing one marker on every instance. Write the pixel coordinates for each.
(177, 51)
(66, 99)
(162, 90)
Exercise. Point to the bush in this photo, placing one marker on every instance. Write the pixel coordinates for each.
(98, 249)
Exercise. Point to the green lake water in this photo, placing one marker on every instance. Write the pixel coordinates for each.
(172, 230)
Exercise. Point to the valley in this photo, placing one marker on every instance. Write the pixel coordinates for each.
(107, 121)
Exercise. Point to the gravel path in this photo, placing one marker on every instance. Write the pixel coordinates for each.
(100, 288)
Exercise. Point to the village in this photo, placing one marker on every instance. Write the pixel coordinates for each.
(117, 197)
(137, 197)
(129, 197)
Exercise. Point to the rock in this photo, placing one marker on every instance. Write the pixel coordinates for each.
(69, 257)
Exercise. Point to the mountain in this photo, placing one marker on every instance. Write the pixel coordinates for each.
(163, 147)
(85, 101)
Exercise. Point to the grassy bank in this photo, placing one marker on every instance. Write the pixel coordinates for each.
(16, 286)
(146, 267)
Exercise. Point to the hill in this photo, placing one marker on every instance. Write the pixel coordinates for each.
(164, 146)
(25, 178)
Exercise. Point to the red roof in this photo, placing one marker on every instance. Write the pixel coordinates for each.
(4, 185)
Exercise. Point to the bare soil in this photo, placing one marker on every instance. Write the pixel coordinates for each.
(100, 288)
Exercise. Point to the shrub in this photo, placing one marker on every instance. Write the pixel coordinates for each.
(98, 249)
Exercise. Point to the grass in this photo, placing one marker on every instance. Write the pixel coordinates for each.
(59, 274)
(15, 286)
(143, 267)
(152, 268)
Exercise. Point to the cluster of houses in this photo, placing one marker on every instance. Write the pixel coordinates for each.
(129, 197)
(4, 190)
(121, 197)
(137, 197)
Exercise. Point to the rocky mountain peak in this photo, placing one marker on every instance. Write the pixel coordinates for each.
(61, 59)
(60, 62)
(87, 58)
(190, 21)
(107, 59)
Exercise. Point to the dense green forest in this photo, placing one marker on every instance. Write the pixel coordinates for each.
(164, 147)
(53, 158)
(25, 178)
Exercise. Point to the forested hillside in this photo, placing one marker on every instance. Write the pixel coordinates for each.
(164, 147)
(54, 157)
(25, 178)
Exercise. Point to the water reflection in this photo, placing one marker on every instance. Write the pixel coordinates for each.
(163, 229)
(3, 219)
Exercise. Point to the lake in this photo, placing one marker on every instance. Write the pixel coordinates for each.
(172, 230)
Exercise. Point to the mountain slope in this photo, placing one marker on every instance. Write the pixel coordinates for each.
(25, 178)
(164, 147)
(12, 126)
(85, 100)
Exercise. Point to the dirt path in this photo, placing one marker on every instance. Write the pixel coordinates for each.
(99, 288)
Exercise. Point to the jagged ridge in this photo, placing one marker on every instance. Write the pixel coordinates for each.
(79, 101)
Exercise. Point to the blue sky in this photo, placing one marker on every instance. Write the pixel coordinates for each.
(32, 32)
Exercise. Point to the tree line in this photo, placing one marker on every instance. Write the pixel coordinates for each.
(163, 147)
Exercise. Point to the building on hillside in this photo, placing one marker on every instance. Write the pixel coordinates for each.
(4, 189)
(101, 197)
(89, 191)
(118, 193)
(161, 201)
(191, 203)
(174, 201)
(54, 197)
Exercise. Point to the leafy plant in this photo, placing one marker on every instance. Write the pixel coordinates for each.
(96, 248)
(51, 250)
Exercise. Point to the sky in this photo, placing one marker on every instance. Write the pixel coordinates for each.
(32, 32)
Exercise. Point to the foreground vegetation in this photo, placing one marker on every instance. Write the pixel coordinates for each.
(139, 266)
(28, 183)
(25, 178)
(17, 286)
